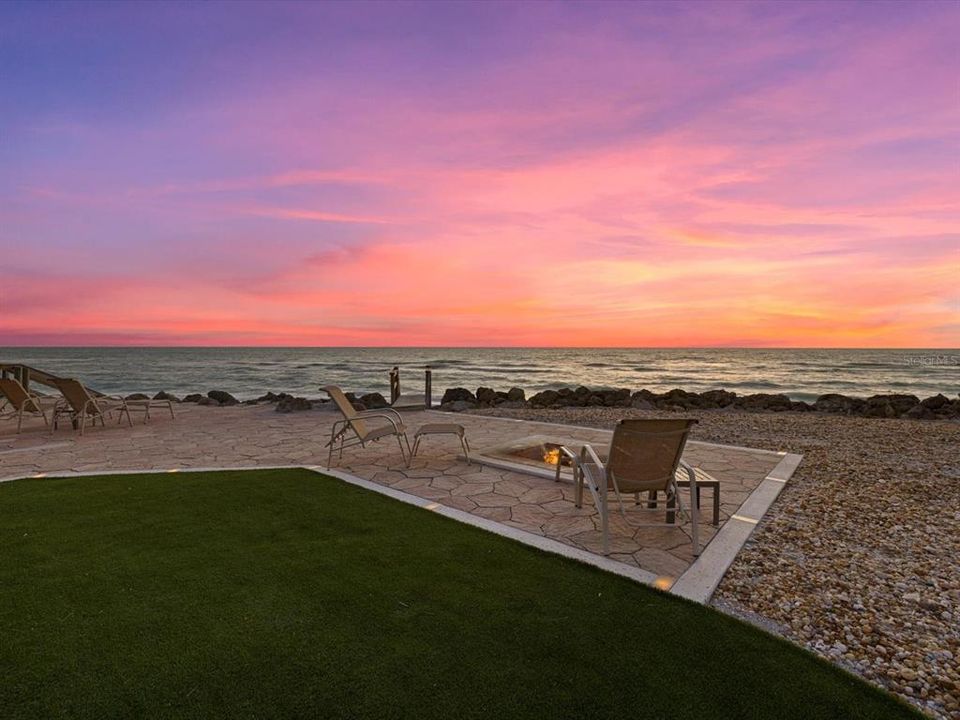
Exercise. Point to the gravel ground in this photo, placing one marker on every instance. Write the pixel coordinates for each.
(859, 558)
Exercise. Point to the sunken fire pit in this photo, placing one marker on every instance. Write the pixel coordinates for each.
(535, 455)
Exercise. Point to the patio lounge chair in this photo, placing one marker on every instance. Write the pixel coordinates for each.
(20, 402)
(79, 404)
(353, 429)
(644, 456)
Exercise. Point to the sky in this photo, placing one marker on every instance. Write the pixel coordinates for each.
(480, 174)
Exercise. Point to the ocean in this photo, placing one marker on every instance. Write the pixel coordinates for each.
(250, 372)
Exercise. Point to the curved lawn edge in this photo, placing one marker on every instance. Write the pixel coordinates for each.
(286, 592)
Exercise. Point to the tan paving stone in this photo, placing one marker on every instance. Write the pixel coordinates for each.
(494, 500)
(471, 488)
(530, 514)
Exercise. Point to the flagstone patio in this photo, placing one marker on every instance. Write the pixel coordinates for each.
(248, 436)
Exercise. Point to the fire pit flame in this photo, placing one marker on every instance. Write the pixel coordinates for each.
(551, 456)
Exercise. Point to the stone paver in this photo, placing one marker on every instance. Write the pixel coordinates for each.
(246, 436)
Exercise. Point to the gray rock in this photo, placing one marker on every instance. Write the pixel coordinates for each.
(764, 401)
(720, 398)
(163, 395)
(516, 394)
(486, 396)
(374, 401)
(137, 396)
(455, 394)
(193, 398)
(457, 405)
(293, 404)
(222, 397)
(545, 398)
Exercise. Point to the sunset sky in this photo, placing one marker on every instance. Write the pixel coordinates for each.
(704, 174)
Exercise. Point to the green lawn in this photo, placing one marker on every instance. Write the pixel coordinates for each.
(277, 594)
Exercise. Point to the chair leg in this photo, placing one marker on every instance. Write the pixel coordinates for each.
(466, 449)
(416, 446)
(19, 420)
(400, 445)
(616, 489)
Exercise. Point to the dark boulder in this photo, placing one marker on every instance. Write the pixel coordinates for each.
(269, 397)
(801, 406)
(617, 398)
(355, 401)
(835, 403)
(374, 401)
(764, 401)
(678, 398)
(643, 400)
(919, 412)
(889, 405)
(208, 401)
(137, 396)
(193, 398)
(457, 405)
(293, 404)
(718, 398)
(222, 397)
(936, 403)
(544, 399)
(486, 396)
(164, 395)
(455, 394)
(516, 394)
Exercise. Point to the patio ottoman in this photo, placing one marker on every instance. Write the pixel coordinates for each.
(442, 429)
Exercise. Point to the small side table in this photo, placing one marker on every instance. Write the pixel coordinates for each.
(442, 429)
(703, 481)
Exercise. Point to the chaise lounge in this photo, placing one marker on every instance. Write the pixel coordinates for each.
(79, 404)
(353, 429)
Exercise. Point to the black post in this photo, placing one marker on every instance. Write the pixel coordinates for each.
(394, 385)
(428, 387)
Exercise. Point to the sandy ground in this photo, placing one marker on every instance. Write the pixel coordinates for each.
(859, 559)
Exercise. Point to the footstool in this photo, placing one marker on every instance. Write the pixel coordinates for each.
(442, 429)
(703, 481)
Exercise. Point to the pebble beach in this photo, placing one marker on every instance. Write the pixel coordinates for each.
(857, 560)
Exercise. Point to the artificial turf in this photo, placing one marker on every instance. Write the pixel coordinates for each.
(278, 594)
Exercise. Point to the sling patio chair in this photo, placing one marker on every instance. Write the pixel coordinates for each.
(20, 402)
(644, 456)
(78, 404)
(353, 429)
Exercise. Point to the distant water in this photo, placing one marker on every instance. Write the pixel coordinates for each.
(250, 372)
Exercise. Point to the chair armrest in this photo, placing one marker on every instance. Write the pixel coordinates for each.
(589, 456)
(381, 412)
(574, 462)
(368, 414)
